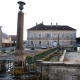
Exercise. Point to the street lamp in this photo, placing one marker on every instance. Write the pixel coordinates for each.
(58, 39)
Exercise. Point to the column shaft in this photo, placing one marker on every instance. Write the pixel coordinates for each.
(19, 44)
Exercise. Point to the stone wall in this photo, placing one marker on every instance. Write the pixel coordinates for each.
(63, 56)
(2, 66)
(60, 71)
(0, 38)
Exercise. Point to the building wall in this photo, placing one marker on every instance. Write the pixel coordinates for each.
(6, 42)
(58, 70)
(54, 34)
(66, 72)
(0, 38)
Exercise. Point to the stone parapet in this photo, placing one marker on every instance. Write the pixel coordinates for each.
(38, 66)
(63, 56)
(60, 70)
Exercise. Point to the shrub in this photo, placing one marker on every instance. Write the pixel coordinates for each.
(12, 50)
(3, 51)
(28, 57)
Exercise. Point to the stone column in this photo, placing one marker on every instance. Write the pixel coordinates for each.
(20, 53)
(0, 37)
(19, 44)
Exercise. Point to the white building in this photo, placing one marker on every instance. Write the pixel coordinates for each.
(6, 40)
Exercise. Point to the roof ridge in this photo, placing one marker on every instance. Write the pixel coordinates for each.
(49, 27)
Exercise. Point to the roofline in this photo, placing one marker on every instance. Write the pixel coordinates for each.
(50, 30)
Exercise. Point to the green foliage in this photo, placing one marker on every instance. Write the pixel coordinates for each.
(3, 51)
(40, 55)
(12, 50)
(28, 57)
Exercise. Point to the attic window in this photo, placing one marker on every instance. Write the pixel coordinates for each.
(45, 28)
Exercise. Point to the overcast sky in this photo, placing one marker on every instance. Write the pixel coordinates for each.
(64, 12)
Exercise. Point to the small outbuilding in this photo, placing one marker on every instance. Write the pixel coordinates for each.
(6, 40)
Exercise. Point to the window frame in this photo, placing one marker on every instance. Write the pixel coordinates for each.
(39, 42)
(71, 35)
(32, 43)
(48, 35)
(39, 35)
(63, 43)
(31, 35)
(63, 35)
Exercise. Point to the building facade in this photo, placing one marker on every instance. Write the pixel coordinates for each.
(78, 41)
(6, 40)
(13, 39)
(0, 37)
(51, 35)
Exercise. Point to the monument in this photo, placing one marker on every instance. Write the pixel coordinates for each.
(20, 53)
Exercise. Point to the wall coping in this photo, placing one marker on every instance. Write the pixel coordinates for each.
(63, 56)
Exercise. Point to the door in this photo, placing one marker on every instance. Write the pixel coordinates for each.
(55, 43)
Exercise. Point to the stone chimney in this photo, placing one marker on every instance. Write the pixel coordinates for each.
(51, 24)
(42, 22)
(56, 24)
(36, 23)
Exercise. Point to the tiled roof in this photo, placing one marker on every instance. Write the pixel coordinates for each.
(13, 37)
(5, 36)
(51, 27)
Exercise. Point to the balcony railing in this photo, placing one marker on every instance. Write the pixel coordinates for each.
(51, 38)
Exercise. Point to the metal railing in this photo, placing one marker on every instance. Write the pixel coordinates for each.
(40, 56)
(51, 38)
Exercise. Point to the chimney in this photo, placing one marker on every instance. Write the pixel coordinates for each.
(42, 22)
(51, 24)
(56, 24)
(36, 24)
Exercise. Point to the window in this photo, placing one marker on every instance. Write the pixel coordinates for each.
(47, 42)
(39, 42)
(71, 35)
(39, 35)
(63, 36)
(63, 43)
(55, 36)
(31, 42)
(71, 42)
(48, 35)
(31, 35)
